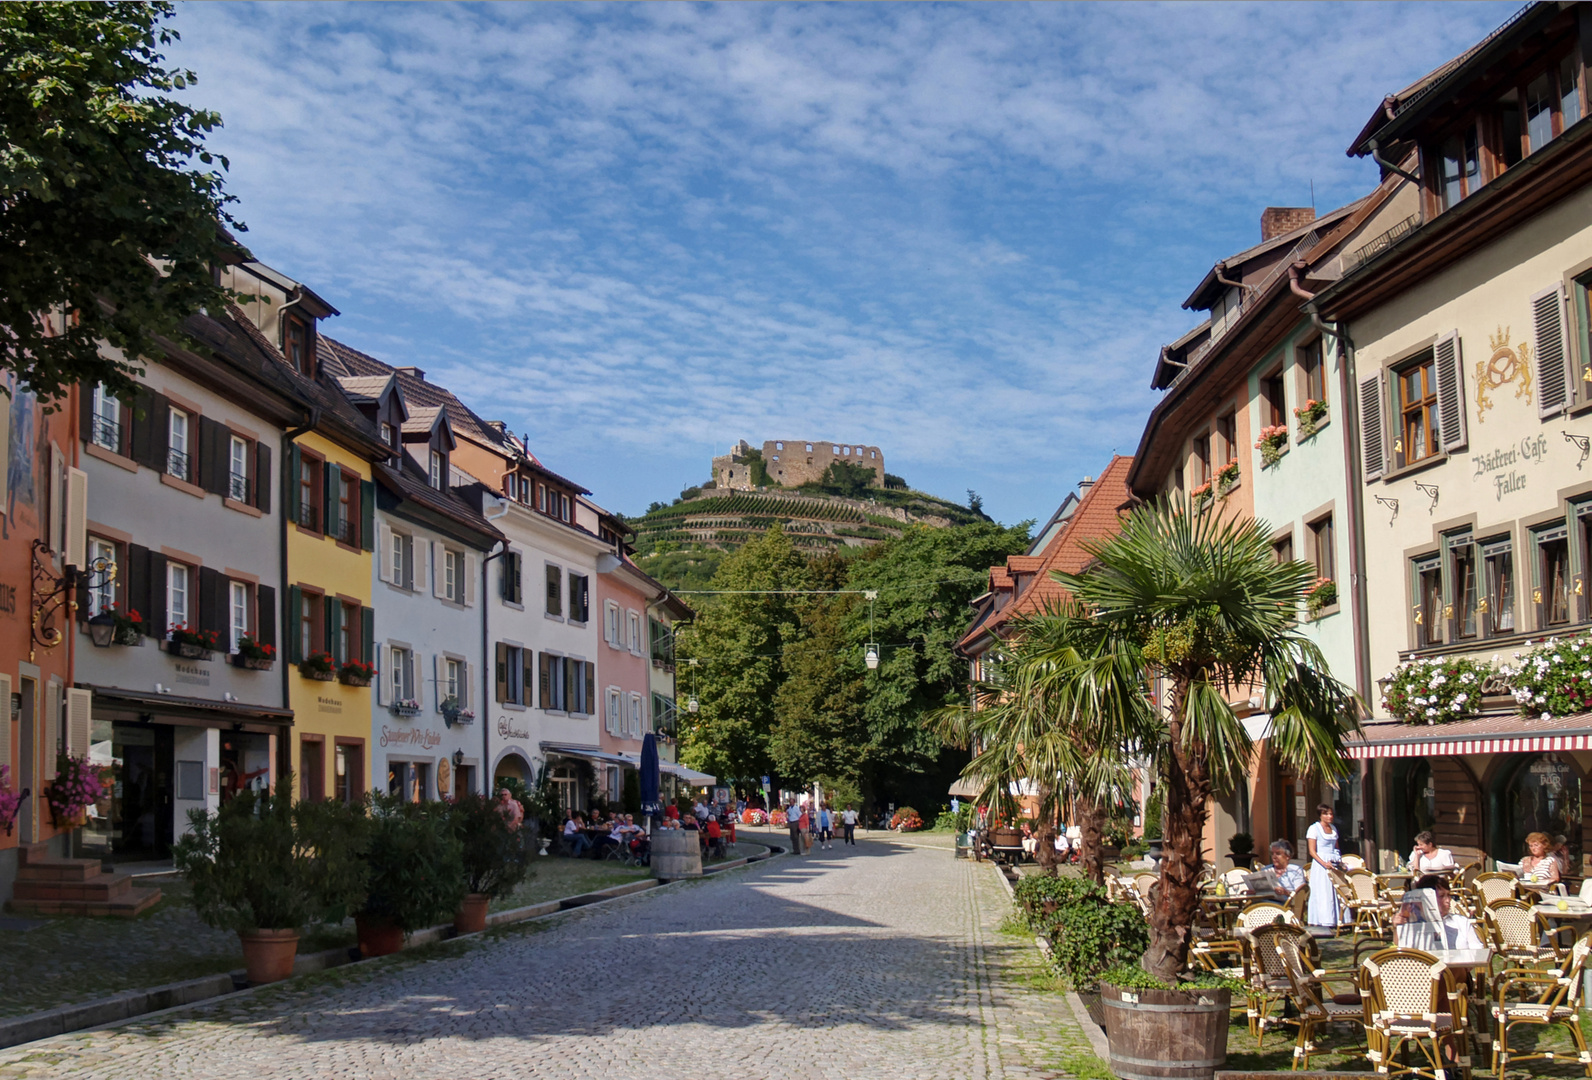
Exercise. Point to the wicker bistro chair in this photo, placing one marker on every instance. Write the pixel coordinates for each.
(1353, 862)
(1411, 998)
(1143, 882)
(1366, 912)
(1519, 934)
(1266, 975)
(1378, 909)
(1494, 886)
(1261, 913)
(1299, 903)
(1311, 993)
(1548, 999)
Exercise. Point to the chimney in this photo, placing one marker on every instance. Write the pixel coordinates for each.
(1276, 220)
(413, 372)
(1084, 485)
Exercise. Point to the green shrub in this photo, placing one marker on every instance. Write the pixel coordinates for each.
(1033, 892)
(494, 855)
(416, 864)
(264, 861)
(1093, 935)
(1134, 977)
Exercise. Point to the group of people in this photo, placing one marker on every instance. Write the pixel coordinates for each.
(811, 825)
(1062, 845)
(600, 833)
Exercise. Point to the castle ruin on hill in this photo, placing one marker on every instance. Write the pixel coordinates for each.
(793, 462)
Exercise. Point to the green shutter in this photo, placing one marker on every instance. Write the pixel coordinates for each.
(331, 623)
(295, 616)
(330, 475)
(367, 641)
(367, 515)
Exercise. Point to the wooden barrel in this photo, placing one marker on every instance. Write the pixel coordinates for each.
(1166, 1034)
(1006, 837)
(676, 854)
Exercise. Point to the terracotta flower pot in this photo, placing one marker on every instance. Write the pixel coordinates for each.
(471, 916)
(378, 936)
(268, 954)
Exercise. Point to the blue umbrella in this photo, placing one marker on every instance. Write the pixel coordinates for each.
(649, 775)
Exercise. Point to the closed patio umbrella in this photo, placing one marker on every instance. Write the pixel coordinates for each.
(649, 777)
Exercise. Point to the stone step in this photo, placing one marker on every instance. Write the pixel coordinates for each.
(104, 887)
(59, 870)
(131, 903)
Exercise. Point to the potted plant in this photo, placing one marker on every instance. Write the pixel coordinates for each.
(1241, 849)
(1272, 442)
(1200, 602)
(253, 655)
(1227, 477)
(191, 643)
(10, 801)
(1310, 415)
(1323, 594)
(75, 787)
(1202, 494)
(405, 706)
(356, 673)
(453, 712)
(128, 625)
(318, 666)
(416, 873)
(265, 866)
(494, 858)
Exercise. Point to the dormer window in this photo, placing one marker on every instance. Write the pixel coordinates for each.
(296, 340)
(388, 433)
(439, 469)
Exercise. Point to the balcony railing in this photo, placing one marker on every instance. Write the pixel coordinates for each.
(108, 434)
(345, 531)
(307, 517)
(177, 464)
(238, 487)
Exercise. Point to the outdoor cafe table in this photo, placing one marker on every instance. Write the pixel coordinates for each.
(1384, 882)
(1221, 910)
(1577, 915)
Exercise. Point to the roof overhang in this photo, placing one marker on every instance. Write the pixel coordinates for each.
(205, 711)
(1482, 735)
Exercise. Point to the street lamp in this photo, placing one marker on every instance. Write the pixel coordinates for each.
(101, 628)
(871, 657)
(871, 654)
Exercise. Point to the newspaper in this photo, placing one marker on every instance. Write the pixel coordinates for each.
(1423, 922)
(1263, 883)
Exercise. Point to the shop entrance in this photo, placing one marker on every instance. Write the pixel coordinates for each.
(1542, 793)
(141, 808)
(245, 763)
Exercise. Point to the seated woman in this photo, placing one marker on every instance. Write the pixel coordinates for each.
(1411, 931)
(1289, 876)
(1428, 858)
(575, 840)
(1540, 868)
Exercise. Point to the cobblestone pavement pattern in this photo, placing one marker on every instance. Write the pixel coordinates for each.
(877, 961)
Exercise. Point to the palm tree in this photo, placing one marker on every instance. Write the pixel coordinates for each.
(1199, 598)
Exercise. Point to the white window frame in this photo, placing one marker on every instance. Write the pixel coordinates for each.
(102, 595)
(633, 624)
(453, 678)
(403, 673)
(238, 465)
(238, 611)
(436, 472)
(450, 576)
(611, 624)
(402, 560)
(179, 587)
(614, 719)
(178, 428)
(109, 410)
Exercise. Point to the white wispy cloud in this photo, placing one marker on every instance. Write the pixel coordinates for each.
(643, 231)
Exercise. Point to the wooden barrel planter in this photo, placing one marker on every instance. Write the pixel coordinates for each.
(676, 853)
(1166, 1034)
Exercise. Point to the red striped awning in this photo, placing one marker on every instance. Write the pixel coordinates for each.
(1456, 747)
(1513, 734)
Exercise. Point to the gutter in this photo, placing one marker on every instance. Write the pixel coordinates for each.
(1376, 156)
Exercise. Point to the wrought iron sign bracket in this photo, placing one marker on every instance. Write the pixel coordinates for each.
(1583, 443)
(56, 594)
(1430, 491)
(1391, 504)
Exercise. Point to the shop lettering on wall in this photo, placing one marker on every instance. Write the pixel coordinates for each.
(507, 730)
(193, 673)
(419, 738)
(1498, 465)
(329, 704)
(8, 599)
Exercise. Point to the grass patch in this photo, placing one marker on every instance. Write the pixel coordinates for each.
(555, 877)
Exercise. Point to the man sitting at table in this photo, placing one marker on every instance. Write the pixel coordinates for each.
(1289, 876)
(574, 839)
(1410, 931)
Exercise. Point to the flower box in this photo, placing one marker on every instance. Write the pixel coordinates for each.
(356, 673)
(354, 680)
(193, 644)
(128, 636)
(1271, 444)
(1310, 416)
(253, 663)
(1323, 594)
(405, 708)
(318, 666)
(190, 651)
(318, 675)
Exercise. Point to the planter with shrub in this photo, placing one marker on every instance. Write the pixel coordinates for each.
(266, 866)
(1179, 1030)
(416, 873)
(906, 819)
(253, 655)
(494, 858)
(1241, 849)
(318, 666)
(191, 643)
(356, 673)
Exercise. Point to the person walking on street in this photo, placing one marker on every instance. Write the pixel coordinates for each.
(793, 818)
(825, 833)
(848, 819)
(806, 824)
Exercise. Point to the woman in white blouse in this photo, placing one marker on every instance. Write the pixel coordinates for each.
(1428, 858)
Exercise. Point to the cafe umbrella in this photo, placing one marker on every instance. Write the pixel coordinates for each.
(649, 780)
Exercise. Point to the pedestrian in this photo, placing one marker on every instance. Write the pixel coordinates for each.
(793, 818)
(824, 834)
(806, 822)
(513, 813)
(848, 820)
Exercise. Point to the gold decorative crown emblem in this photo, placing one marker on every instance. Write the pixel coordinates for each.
(1500, 340)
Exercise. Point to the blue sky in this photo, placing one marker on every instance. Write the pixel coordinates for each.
(639, 233)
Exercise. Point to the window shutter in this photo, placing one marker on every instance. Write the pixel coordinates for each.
(85, 411)
(55, 498)
(331, 476)
(367, 515)
(383, 678)
(5, 719)
(52, 728)
(384, 566)
(546, 698)
(213, 460)
(1373, 431)
(1555, 388)
(295, 616)
(591, 688)
(262, 478)
(502, 672)
(151, 420)
(527, 677)
(439, 571)
(420, 556)
(79, 719)
(76, 539)
(265, 615)
(155, 614)
(472, 570)
(1448, 365)
(212, 601)
(367, 635)
(291, 480)
(137, 578)
(331, 623)
(519, 579)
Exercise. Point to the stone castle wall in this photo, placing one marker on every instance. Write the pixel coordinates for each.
(793, 462)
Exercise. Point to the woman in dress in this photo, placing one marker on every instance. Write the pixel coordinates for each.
(1323, 840)
(1540, 867)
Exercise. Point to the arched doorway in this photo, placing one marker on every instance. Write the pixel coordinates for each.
(1415, 796)
(511, 767)
(1540, 793)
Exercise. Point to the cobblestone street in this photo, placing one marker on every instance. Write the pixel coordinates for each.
(881, 960)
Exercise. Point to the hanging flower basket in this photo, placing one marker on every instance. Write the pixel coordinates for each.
(74, 789)
(1272, 442)
(1310, 415)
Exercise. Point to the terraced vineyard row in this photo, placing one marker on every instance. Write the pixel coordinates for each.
(741, 505)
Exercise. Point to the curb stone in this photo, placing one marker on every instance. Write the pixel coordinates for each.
(140, 1004)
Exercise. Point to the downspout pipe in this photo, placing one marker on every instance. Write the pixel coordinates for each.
(284, 754)
(1243, 289)
(1376, 156)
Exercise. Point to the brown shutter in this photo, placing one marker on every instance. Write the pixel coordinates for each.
(331, 612)
(265, 615)
(1555, 387)
(151, 428)
(502, 672)
(213, 604)
(527, 676)
(211, 446)
(1373, 430)
(1448, 364)
(546, 697)
(591, 687)
(155, 613)
(262, 478)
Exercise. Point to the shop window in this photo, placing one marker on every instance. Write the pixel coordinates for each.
(1428, 609)
(1417, 405)
(1541, 794)
(1499, 602)
(1551, 593)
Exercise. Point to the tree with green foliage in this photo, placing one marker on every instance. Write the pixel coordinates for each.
(738, 642)
(105, 218)
(846, 479)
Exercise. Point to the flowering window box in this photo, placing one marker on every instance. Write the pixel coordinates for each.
(253, 655)
(253, 663)
(1323, 594)
(191, 643)
(405, 707)
(318, 666)
(1312, 416)
(1227, 478)
(1271, 444)
(356, 673)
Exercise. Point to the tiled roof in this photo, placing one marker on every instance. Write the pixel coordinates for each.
(363, 388)
(1096, 519)
(409, 483)
(421, 419)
